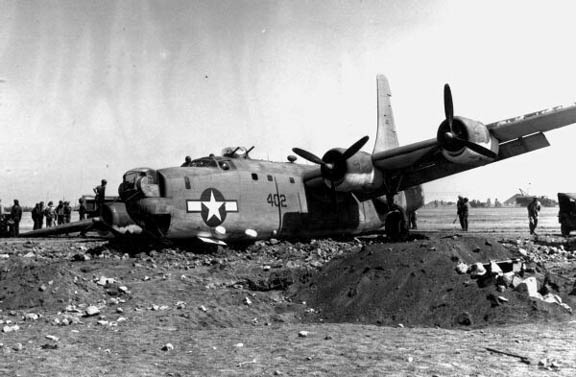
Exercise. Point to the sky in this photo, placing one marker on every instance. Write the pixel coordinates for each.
(91, 89)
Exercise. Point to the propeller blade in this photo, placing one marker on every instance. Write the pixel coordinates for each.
(351, 151)
(476, 148)
(448, 105)
(308, 156)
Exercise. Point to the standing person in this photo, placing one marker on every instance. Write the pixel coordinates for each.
(60, 213)
(67, 209)
(412, 220)
(82, 208)
(1, 208)
(533, 210)
(465, 210)
(462, 211)
(16, 216)
(50, 214)
(40, 215)
(459, 204)
(35, 215)
(100, 192)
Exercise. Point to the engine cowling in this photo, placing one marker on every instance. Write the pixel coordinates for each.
(357, 173)
(346, 169)
(456, 141)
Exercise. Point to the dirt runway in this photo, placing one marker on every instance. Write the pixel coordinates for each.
(93, 307)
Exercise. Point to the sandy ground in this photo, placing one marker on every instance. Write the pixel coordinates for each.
(174, 312)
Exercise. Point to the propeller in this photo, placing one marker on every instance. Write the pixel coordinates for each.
(475, 147)
(333, 163)
(448, 106)
(455, 136)
(308, 156)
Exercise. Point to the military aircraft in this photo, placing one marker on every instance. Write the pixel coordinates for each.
(230, 198)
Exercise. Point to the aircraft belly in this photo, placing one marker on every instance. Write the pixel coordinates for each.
(329, 213)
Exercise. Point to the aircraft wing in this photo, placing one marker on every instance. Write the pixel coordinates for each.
(540, 121)
(78, 226)
(423, 162)
(92, 224)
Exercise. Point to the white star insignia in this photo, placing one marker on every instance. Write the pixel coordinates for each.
(213, 207)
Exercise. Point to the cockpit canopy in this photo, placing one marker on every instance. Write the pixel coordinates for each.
(212, 162)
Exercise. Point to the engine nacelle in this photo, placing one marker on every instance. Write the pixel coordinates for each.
(358, 173)
(472, 131)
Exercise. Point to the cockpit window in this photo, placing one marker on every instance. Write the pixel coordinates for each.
(204, 162)
(211, 162)
(226, 164)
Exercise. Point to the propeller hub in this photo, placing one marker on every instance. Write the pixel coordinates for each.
(454, 135)
(333, 164)
(334, 167)
(450, 137)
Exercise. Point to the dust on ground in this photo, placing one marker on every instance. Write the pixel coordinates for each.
(94, 307)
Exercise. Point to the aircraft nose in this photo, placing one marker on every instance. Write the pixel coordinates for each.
(138, 183)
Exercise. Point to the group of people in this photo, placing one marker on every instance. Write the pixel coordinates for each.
(61, 214)
(463, 208)
(54, 216)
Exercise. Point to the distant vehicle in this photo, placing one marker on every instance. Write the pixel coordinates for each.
(114, 211)
(567, 212)
(5, 225)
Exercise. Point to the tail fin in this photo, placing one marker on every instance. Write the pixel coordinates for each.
(386, 136)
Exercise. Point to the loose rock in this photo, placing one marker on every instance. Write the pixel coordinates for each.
(167, 347)
(91, 311)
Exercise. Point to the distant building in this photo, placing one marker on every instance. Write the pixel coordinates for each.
(520, 200)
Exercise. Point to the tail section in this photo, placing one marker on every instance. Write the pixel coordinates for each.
(386, 135)
(408, 201)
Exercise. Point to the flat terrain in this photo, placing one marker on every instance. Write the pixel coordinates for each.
(96, 307)
(488, 220)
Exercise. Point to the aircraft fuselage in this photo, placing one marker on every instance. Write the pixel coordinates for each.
(232, 199)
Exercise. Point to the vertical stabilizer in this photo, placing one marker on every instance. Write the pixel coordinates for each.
(386, 136)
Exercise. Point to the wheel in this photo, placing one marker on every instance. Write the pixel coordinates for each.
(395, 225)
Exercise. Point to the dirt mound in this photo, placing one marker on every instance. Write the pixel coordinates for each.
(416, 284)
(26, 283)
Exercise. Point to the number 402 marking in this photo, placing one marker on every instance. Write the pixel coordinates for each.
(277, 200)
